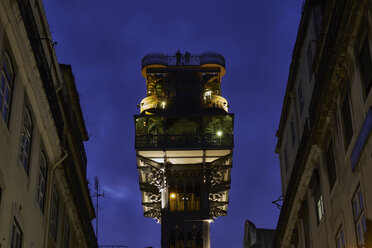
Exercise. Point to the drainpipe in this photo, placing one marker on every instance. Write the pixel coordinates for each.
(49, 192)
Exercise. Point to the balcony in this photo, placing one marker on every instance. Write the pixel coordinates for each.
(183, 59)
(196, 132)
(184, 141)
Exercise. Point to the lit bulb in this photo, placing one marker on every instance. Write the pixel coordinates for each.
(172, 195)
(219, 133)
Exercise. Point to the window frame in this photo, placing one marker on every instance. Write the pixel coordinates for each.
(16, 229)
(340, 237)
(28, 134)
(54, 213)
(6, 82)
(42, 182)
(359, 215)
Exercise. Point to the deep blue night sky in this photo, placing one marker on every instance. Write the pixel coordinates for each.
(104, 41)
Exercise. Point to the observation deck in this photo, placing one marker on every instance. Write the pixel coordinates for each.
(183, 60)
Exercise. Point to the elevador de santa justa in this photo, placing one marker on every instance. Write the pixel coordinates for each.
(184, 144)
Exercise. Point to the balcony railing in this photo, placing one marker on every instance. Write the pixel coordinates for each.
(183, 59)
(184, 141)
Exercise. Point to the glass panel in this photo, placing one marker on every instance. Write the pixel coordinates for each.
(2, 84)
(1, 102)
(7, 93)
(361, 204)
(356, 209)
(342, 239)
(5, 113)
(338, 242)
(183, 125)
(359, 231)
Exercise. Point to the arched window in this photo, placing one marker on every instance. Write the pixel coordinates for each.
(43, 170)
(6, 86)
(24, 154)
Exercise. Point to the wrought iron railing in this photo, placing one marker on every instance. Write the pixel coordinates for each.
(184, 141)
(183, 59)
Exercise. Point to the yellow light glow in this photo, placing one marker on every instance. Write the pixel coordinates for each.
(172, 195)
(163, 104)
(219, 133)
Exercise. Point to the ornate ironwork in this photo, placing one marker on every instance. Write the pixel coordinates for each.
(154, 176)
(154, 212)
(215, 210)
(183, 59)
(155, 198)
(215, 197)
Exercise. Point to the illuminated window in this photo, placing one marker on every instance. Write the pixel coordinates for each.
(179, 200)
(24, 154)
(41, 182)
(54, 214)
(319, 205)
(176, 200)
(6, 86)
(365, 64)
(359, 217)
(16, 240)
(193, 197)
(340, 238)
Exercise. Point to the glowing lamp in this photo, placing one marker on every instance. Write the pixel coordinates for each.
(219, 133)
(172, 195)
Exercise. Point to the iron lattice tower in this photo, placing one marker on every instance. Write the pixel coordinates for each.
(184, 145)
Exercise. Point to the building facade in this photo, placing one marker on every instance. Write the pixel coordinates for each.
(184, 142)
(257, 237)
(44, 196)
(324, 141)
